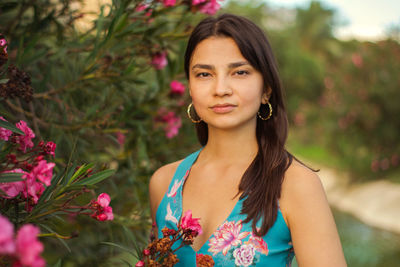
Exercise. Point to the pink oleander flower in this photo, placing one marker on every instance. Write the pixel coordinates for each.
(143, 7)
(49, 148)
(159, 60)
(4, 133)
(191, 223)
(7, 245)
(177, 88)
(210, 8)
(25, 141)
(171, 121)
(13, 189)
(103, 212)
(226, 236)
(258, 243)
(169, 2)
(103, 200)
(35, 189)
(244, 255)
(196, 2)
(43, 171)
(357, 60)
(28, 247)
(139, 264)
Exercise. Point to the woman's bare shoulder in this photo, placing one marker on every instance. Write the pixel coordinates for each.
(301, 186)
(159, 183)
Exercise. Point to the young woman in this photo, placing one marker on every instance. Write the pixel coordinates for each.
(256, 203)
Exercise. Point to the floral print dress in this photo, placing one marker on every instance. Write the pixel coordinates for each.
(233, 243)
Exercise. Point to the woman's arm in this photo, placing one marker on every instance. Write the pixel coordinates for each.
(305, 207)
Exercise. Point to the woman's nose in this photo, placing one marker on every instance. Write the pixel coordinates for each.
(222, 87)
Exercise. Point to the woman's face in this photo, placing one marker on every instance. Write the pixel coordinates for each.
(226, 90)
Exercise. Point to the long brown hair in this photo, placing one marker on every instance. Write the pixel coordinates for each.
(262, 181)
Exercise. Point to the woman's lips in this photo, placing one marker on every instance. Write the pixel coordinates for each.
(223, 108)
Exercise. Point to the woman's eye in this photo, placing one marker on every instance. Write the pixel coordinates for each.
(202, 74)
(241, 72)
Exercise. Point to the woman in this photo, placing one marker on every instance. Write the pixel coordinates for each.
(256, 203)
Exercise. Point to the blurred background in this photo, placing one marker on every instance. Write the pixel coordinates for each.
(106, 77)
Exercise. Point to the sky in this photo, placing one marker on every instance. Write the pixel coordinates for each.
(364, 19)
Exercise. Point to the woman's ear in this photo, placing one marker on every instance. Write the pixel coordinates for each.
(266, 95)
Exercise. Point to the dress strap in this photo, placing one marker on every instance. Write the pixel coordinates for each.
(183, 168)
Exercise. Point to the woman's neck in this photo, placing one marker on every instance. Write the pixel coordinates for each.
(230, 146)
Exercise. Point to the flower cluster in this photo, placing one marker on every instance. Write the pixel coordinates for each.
(24, 249)
(36, 171)
(101, 208)
(170, 122)
(159, 252)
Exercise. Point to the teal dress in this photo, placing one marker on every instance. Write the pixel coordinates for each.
(233, 243)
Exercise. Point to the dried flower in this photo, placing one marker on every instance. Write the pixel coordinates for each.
(18, 85)
(203, 260)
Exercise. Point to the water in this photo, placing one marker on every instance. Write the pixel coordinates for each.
(365, 246)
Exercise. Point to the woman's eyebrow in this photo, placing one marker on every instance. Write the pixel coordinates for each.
(230, 65)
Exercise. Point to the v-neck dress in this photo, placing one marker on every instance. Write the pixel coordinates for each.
(233, 243)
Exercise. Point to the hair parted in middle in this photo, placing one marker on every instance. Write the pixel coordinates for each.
(261, 183)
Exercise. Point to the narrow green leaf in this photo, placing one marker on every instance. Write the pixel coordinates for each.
(120, 247)
(10, 177)
(96, 178)
(10, 126)
(84, 168)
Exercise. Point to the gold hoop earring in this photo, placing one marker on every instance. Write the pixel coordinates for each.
(190, 116)
(269, 115)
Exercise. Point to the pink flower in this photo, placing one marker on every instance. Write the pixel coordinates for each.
(196, 2)
(4, 133)
(159, 60)
(226, 236)
(103, 212)
(14, 188)
(171, 120)
(210, 8)
(25, 141)
(259, 244)
(106, 214)
(103, 200)
(28, 247)
(169, 2)
(139, 264)
(191, 223)
(120, 138)
(357, 60)
(244, 255)
(7, 245)
(3, 43)
(50, 148)
(43, 171)
(143, 7)
(177, 88)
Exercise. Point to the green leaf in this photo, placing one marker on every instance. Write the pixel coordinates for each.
(119, 246)
(10, 177)
(96, 178)
(10, 126)
(84, 168)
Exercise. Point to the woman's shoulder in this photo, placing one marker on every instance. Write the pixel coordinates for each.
(162, 177)
(301, 189)
(159, 183)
